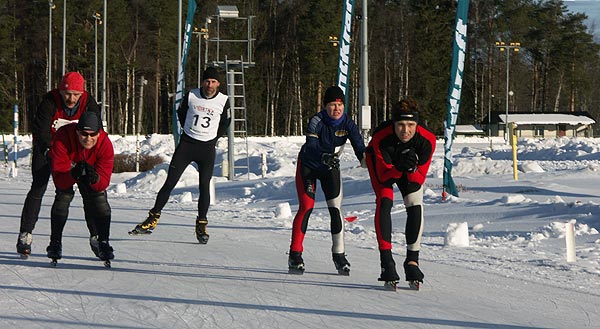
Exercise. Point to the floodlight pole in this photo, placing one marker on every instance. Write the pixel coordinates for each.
(512, 46)
(50, 7)
(365, 109)
(103, 111)
(64, 41)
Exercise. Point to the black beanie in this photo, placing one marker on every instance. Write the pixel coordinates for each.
(210, 73)
(333, 94)
(89, 121)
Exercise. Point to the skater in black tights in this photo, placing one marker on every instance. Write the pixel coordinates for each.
(400, 154)
(204, 116)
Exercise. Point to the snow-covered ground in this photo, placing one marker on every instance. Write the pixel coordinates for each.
(512, 274)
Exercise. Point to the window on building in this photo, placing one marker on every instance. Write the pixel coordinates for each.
(538, 131)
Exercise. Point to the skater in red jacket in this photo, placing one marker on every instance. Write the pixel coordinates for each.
(400, 153)
(82, 154)
(58, 108)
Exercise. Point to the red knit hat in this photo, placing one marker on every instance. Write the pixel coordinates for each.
(72, 81)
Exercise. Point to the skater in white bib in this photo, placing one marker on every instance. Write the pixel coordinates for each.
(204, 116)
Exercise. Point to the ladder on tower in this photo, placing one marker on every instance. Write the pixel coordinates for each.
(238, 131)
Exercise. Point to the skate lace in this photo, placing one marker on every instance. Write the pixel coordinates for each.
(201, 226)
(25, 238)
(105, 247)
(94, 241)
(413, 272)
(151, 221)
(55, 247)
(296, 258)
(340, 259)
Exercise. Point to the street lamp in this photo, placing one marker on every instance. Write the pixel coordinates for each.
(514, 46)
(51, 6)
(206, 23)
(202, 33)
(97, 20)
(333, 40)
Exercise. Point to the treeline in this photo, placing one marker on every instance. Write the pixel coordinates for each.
(410, 50)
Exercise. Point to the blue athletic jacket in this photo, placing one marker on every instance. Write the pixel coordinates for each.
(323, 136)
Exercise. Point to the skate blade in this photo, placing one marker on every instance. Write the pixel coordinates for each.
(414, 284)
(390, 285)
(53, 262)
(24, 256)
(344, 271)
(107, 264)
(296, 271)
(134, 232)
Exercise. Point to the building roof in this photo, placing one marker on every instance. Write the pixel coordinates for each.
(547, 118)
(552, 118)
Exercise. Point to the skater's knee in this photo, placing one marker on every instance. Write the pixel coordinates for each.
(63, 198)
(103, 209)
(97, 203)
(62, 201)
(301, 219)
(386, 205)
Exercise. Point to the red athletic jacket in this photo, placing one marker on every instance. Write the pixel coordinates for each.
(386, 146)
(66, 151)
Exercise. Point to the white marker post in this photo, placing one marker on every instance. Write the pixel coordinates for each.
(570, 241)
(263, 160)
(213, 192)
(15, 146)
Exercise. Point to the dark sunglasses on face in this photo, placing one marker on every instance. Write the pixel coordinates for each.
(84, 134)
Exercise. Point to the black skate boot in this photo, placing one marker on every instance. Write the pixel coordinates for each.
(146, 226)
(295, 263)
(388, 270)
(24, 244)
(54, 251)
(105, 253)
(201, 233)
(94, 245)
(413, 274)
(341, 264)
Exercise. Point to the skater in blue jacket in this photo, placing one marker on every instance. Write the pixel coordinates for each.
(318, 160)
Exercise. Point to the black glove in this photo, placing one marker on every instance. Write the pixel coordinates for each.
(78, 170)
(90, 176)
(331, 160)
(406, 160)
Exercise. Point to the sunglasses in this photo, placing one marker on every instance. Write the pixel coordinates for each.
(84, 134)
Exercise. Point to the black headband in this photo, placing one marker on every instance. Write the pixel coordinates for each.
(406, 116)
